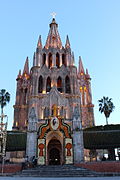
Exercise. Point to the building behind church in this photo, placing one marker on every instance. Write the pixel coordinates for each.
(54, 103)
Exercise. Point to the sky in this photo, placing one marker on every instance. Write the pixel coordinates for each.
(93, 27)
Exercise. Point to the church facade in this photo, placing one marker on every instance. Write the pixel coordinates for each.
(53, 103)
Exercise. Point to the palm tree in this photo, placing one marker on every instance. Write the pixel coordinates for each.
(106, 106)
(4, 99)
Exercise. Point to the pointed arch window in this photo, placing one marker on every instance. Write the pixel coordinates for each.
(67, 85)
(44, 59)
(50, 60)
(57, 60)
(48, 84)
(59, 84)
(40, 84)
(63, 59)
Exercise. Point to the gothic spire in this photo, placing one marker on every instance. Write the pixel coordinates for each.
(26, 67)
(87, 74)
(81, 68)
(39, 44)
(19, 75)
(67, 45)
(53, 39)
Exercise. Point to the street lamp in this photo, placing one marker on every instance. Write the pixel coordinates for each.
(3, 138)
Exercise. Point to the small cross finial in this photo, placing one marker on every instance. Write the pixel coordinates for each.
(53, 14)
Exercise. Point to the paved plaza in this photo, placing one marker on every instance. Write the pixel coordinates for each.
(66, 178)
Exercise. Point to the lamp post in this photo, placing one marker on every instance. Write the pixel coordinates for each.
(3, 137)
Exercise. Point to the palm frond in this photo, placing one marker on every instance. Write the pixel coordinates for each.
(106, 106)
(4, 98)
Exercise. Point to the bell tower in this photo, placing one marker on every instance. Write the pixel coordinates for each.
(21, 104)
(86, 96)
(54, 102)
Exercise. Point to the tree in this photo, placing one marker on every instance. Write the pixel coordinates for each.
(4, 99)
(106, 106)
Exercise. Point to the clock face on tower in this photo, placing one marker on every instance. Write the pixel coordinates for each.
(54, 123)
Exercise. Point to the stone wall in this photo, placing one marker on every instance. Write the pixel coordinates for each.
(11, 168)
(108, 166)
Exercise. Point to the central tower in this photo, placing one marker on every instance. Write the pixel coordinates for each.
(50, 109)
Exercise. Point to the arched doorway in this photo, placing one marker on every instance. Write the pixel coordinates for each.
(54, 156)
(54, 152)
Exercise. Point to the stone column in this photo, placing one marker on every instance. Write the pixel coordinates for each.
(68, 59)
(44, 86)
(31, 145)
(60, 60)
(77, 137)
(38, 63)
(41, 60)
(46, 60)
(78, 146)
(63, 85)
(31, 135)
(53, 60)
(71, 83)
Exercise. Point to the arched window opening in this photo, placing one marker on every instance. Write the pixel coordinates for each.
(67, 85)
(57, 60)
(50, 60)
(63, 59)
(54, 152)
(48, 85)
(44, 59)
(40, 85)
(59, 84)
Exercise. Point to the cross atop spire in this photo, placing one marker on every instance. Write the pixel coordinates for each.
(53, 15)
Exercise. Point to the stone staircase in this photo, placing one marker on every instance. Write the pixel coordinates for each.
(58, 171)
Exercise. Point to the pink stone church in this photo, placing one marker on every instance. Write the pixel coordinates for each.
(54, 103)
